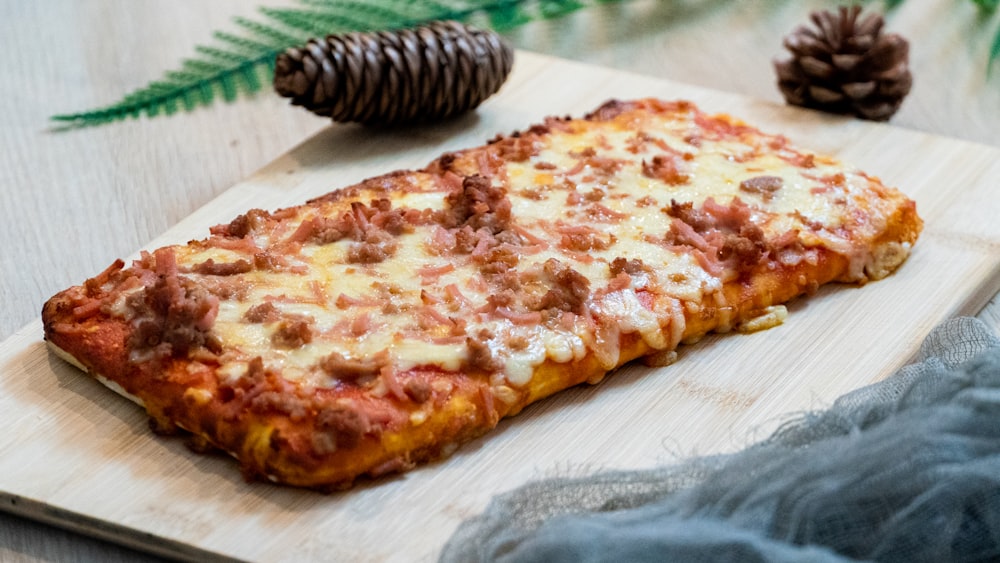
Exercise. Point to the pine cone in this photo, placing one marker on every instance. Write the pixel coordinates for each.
(427, 73)
(846, 66)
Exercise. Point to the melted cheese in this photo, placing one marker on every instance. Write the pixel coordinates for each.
(555, 190)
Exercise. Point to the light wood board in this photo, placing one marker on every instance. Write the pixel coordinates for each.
(75, 454)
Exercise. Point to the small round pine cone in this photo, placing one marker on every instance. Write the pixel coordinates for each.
(427, 73)
(846, 65)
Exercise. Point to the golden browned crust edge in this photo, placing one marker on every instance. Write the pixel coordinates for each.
(101, 351)
(463, 418)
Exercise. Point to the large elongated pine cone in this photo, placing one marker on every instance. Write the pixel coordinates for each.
(846, 65)
(427, 73)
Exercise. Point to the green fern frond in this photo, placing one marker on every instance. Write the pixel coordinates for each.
(994, 52)
(505, 18)
(558, 8)
(988, 5)
(273, 36)
(242, 62)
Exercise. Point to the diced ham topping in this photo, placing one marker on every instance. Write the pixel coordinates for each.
(569, 289)
(588, 158)
(666, 169)
(361, 324)
(686, 212)
(582, 238)
(580, 166)
(497, 259)
(430, 317)
(264, 313)
(430, 273)
(489, 163)
(389, 378)
(478, 205)
(277, 262)
(418, 390)
(262, 390)
(87, 310)
(517, 148)
(637, 144)
(798, 159)
(451, 180)
(719, 233)
(93, 286)
(466, 239)
(728, 217)
(376, 247)
(526, 235)
(609, 110)
(292, 333)
(604, 214)
(282, 402)
(323, 230)
(645, 201)
(442, 241)
(212, 268)
(353, 370)
(373, 228)
(174, 314)
(764, 186)
(533, 194)
(345, 301)
(619, 282)
(480, 357)
(528, 318)
(719, 128)
(746, 248)
(245, 245)
(708, 263)
(633, 266)
(339, 427)
(787, 239)
(837, 180)
(428, 299)
(499, 299)
(242, 225)
(682, 234)
(454, 295)
(517, 342)
(604, 165)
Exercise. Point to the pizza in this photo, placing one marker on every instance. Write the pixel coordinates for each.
(386, 323)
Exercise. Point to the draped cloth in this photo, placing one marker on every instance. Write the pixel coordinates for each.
(907, 469)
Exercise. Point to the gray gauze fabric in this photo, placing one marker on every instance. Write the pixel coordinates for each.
(904, 470)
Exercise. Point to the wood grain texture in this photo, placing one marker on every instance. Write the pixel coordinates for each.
(72, 202)
(720, 393)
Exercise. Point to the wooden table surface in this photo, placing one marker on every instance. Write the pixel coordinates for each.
(73, 201)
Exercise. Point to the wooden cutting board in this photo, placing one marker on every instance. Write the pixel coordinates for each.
(75, 454)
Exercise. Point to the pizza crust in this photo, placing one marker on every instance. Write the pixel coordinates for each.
(886, 258)
(439, 432)
(508, 295)
(104, 380)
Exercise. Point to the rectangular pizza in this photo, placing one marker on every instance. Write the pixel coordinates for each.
(386, 323)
